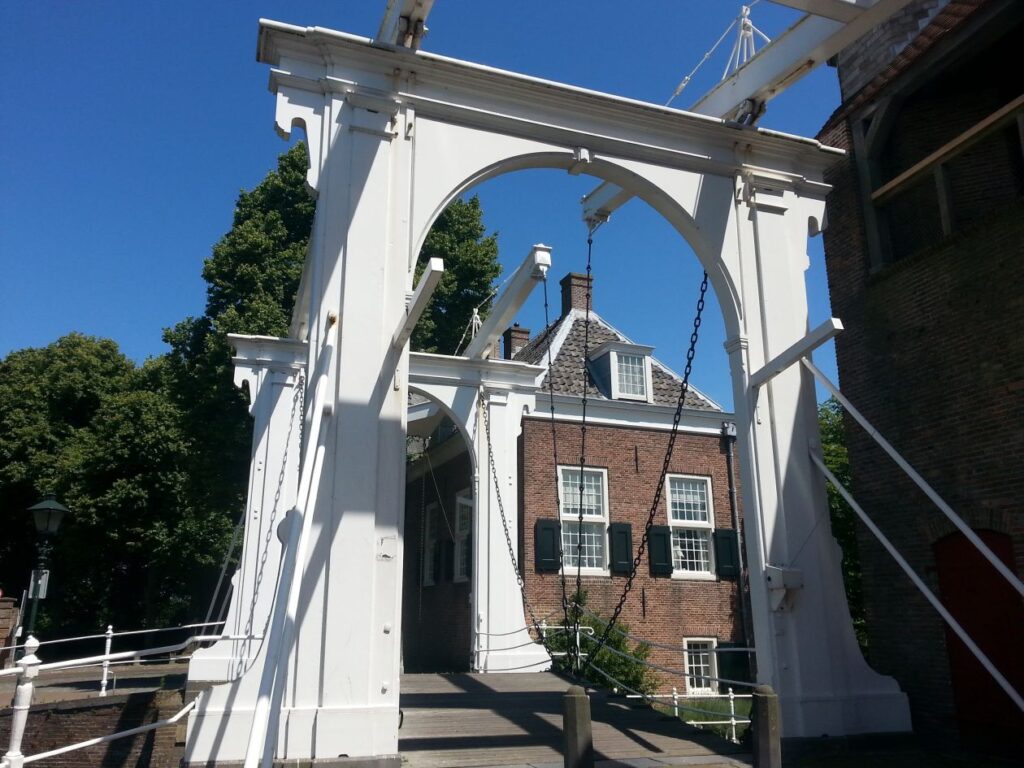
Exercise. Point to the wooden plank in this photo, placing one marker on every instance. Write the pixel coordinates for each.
(947, 151)
(516, 719)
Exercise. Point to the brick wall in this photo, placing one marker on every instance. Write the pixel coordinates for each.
(56, 725)
(435, 618)
(659, 608)
(932, 355)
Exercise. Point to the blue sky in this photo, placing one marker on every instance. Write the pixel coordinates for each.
(127, 130)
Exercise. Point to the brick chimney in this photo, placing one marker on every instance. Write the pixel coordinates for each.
(515, 338)
(574, 292)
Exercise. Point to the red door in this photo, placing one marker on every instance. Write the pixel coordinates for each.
(992, 613)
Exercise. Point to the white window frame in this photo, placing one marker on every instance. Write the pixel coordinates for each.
(430, 542)
(463, 548)
(702, 687)
(618, 394)
(572, 516)
(706, 528)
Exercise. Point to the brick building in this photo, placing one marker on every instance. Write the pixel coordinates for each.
(687, 590)
(925, 259)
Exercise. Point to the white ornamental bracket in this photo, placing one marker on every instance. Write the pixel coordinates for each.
(782, 585)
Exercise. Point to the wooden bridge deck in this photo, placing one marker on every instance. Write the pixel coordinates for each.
(466, 720)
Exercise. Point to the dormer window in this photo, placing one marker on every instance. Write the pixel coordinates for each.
(623, 370)
(632, 375)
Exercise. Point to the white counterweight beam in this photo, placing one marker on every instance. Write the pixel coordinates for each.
(830, 26)
(533, 268)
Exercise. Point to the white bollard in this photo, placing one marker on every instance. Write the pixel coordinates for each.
(106, 662)
(28, 668)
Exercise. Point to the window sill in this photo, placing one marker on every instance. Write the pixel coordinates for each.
(693, 576)
(570, 570)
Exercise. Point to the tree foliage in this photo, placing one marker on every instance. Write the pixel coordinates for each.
(632, 673)
(470, 269)
(844, 521)
(153, 460)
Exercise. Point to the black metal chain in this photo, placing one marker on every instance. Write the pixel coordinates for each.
(684, 387)
(504, 524)
(554, 451)
(574, 655)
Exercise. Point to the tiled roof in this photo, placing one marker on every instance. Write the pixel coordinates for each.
(566, 338)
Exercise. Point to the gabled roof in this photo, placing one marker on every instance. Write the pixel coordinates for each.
(566, 339)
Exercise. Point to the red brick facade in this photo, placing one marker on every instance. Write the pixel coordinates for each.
(933, 355)
(662, 609)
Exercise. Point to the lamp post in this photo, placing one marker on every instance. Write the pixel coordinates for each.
(47, 515)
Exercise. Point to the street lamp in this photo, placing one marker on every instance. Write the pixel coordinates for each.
(47, 515)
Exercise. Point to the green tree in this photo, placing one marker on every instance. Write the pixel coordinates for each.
(79, 418)
(470, 269)
(632, 673)
(844, 520)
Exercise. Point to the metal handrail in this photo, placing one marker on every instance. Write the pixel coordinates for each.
(111, 737)
(676, 673)
(921, 483)
(664, 646)
(115, 634)
(921, 586)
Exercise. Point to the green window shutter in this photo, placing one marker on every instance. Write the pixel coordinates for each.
(727, 554)
(659, 550)
(620, 546)
(545, 541)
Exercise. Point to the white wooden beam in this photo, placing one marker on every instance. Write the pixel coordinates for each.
(827, 330)
(599, 204)
(533, 268)
(418, 302)
(404, 22)
(812, 40)
(808, 43)
(838, 10)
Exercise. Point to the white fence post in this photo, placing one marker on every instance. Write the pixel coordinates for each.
(106, 664)
(675, 702)
(28, 669)
(732, 715)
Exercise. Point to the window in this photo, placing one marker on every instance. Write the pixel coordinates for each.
(700, 664)
(632, 376)
(595, 517)
(691, 519)
(430, 548)
(622, 370)
(463, 540)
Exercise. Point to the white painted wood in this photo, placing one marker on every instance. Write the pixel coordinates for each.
(837, 10)
(532, 270)
(823, 333)
(401, 134)
(400, 22)
(421, 297)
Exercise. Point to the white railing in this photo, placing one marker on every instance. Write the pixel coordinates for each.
(675, 697)
(28, 668)
(108, 638)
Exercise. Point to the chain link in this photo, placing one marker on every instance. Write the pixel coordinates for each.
(504, 524)
(684, 387)
(554, 451)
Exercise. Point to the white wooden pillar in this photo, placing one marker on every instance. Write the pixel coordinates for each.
(806, 649)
